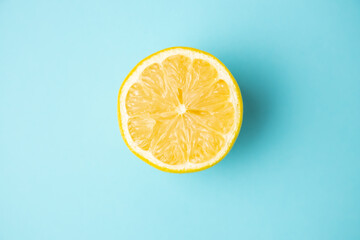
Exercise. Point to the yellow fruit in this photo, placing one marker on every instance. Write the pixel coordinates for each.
(180, 110)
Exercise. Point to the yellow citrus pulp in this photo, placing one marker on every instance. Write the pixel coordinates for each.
(180, 110)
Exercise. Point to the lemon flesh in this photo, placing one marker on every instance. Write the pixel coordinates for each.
(180, 110)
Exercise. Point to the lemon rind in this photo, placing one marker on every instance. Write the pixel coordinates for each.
(229, 145)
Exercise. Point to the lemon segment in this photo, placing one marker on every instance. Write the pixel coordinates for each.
(180, 110)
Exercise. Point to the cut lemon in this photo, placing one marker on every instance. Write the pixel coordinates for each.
(180, 110)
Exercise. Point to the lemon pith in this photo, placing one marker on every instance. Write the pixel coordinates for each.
(180, 110)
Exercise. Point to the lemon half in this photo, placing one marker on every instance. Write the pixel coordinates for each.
(180, 110)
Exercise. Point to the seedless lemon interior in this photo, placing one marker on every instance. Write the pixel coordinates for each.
(180, 110)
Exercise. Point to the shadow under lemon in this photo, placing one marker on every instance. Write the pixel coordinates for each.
(258, 85)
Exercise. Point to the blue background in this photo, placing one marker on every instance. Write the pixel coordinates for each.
(65, 172)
